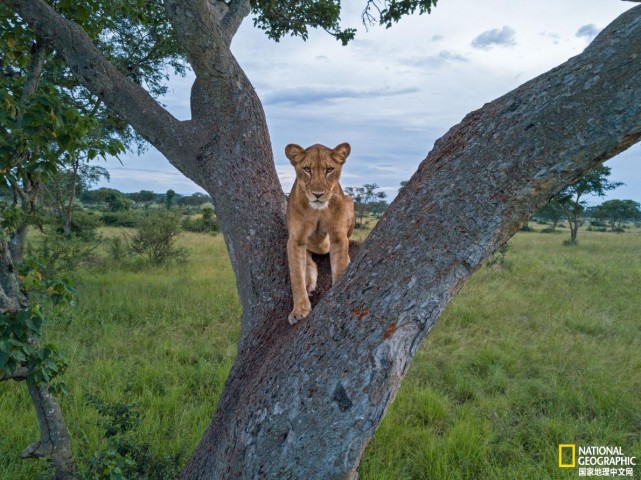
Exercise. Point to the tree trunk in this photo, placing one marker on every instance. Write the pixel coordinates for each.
(17, 243)
(54, 442)
(574, 231)
(303, 401)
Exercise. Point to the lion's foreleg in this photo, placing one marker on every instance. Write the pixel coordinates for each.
(338, 256)
(311, 273)
(297, 258)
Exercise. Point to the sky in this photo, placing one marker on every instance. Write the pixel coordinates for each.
(391, 93)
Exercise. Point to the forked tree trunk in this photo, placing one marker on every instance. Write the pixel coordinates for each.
(302, 402)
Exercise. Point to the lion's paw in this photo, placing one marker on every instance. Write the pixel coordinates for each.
(298, 313)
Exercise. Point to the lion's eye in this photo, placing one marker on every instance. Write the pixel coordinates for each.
(329, 170)
(307, 170)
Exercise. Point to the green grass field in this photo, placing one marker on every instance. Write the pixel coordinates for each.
(542, 351)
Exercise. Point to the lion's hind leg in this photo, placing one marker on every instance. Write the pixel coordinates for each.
(311, 273)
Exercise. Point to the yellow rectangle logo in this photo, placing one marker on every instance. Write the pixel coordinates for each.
(572, 448)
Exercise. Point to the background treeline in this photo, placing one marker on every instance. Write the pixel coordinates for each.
(91, 208)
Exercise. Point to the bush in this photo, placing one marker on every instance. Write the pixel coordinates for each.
(84, 225)
(498, 259)
(127, 218)
(60, 254)
(126, 456)
(155, 240)
(201, 225)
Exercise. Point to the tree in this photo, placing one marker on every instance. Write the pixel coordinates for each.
(143, 196)
(59, 193)
(170, 197)
(594, 182)
(617, 211)
(303, 401)
(552, 211)
(364, 198)
(194, 200)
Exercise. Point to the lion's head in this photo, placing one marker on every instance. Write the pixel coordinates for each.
(318, 170)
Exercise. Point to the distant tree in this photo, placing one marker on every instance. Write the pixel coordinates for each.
(170, 198)
(364, 197)
(194, 200)
(551, 212)
(112, 199)
(402, 184)
(571, 200)
(143, 196)
(614, 212)
(60, 192)
(378, 208)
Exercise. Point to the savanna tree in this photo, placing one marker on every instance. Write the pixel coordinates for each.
(364, 198)
(303, 401)
(552, 212)
(615, 212)
(60, 191)
(572, 198)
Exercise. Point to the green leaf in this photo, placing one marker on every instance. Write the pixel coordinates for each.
(18, 356)
(4, 358)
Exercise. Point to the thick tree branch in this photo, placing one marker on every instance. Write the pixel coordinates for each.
(127, 98)
(232, 20)
(36, 65)
(19, 375)
(313, 395)
(197, 26)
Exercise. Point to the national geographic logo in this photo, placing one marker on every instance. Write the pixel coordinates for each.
(596, 461)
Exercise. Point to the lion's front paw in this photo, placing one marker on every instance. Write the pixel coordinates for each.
(299, 312)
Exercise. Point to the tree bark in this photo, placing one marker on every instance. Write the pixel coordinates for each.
(54, 442)
(303, 401)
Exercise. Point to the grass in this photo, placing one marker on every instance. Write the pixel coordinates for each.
(542, 351)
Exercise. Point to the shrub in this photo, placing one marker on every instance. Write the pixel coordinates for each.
(156, 237)
(127, 218)
(59, 254)
(84, 224)
(126, 455)
(201, 225)
(498, 259)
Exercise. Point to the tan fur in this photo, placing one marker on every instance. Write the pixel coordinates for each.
(320, 219)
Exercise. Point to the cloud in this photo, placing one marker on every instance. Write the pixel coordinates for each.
(320, 94)
(588, 31)
(433, 61)
(503, 37)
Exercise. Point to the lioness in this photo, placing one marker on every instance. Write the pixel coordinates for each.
(320, 219)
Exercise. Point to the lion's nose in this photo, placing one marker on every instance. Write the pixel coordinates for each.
(318, 195)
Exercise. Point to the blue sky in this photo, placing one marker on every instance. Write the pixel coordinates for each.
(393, 92)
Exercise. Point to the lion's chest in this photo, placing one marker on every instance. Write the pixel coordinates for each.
(318, 237)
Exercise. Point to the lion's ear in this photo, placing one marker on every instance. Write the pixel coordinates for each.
(295, 153)
(341, 152)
